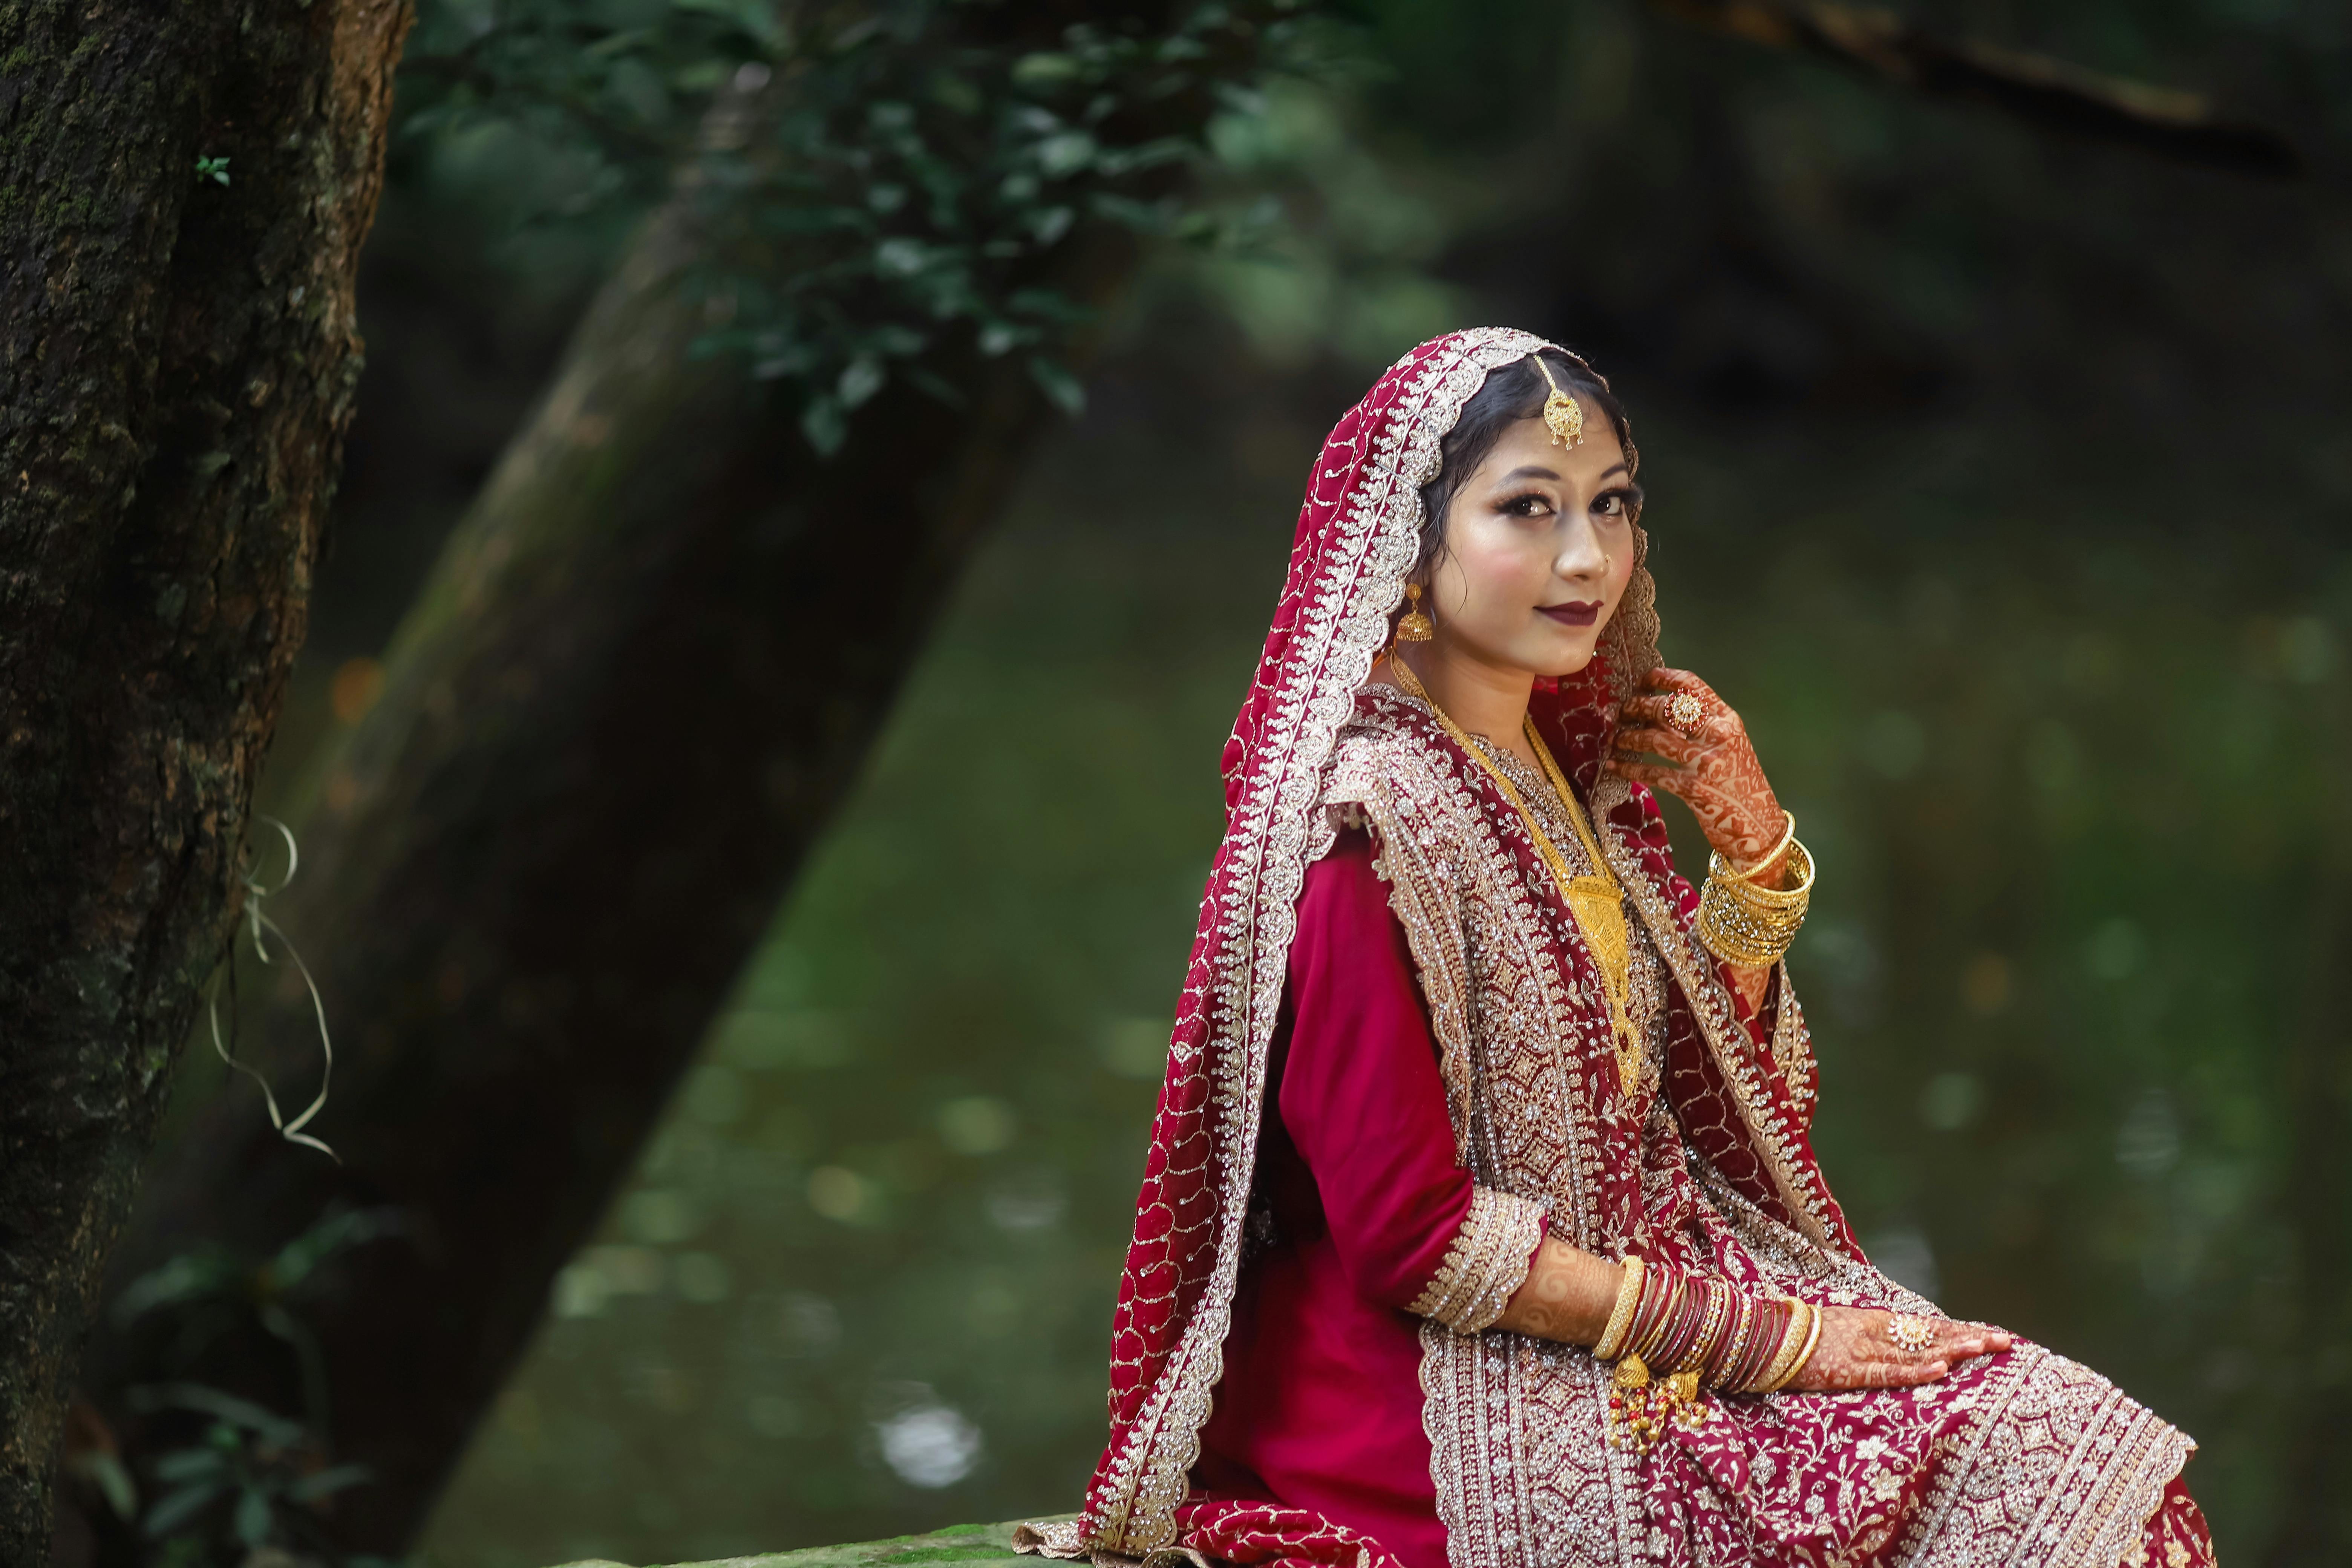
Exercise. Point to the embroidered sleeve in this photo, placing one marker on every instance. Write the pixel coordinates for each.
(1486, 1261)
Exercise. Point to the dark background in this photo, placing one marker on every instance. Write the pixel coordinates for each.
(1999, 476)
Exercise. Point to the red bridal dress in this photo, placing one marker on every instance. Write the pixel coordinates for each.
(1393, 1073)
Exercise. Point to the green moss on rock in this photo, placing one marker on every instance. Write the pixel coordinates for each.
(956, 1543)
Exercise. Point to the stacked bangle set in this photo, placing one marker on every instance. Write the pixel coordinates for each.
(1741, 921)
(1672, 1333)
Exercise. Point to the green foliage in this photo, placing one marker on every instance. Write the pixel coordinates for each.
(882, 186)
(227, 1476)
(211, 1292)
(212, 169)
(251, 1479)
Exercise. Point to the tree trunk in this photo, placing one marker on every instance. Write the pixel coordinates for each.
(176, 367)
(645, 671)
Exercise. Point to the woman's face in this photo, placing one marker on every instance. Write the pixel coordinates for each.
(1539, 549)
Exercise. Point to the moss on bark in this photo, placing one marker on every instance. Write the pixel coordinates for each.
(176, 365)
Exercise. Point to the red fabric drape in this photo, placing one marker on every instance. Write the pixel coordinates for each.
(1320, 1407)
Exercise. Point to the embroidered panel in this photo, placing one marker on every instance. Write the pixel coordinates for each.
(2017, 1460)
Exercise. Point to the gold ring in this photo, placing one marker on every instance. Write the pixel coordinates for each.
(1684, 713)
(1913, 1336)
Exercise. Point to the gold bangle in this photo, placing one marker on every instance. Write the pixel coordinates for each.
(1801, 861)
(1788, 836)
(1784, 1354)
(1611, 1342)
(1804, 1351)
(1748, 925)
(1741, 936)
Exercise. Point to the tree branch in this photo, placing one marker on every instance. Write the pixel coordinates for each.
(2047, 93)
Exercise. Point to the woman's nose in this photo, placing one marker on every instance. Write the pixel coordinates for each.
(1581, 555)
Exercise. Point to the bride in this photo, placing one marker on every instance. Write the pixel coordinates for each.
(1481, 1225)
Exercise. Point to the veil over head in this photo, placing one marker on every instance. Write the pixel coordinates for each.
(1356, 541)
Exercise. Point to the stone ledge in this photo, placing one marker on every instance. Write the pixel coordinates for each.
(956, 1543)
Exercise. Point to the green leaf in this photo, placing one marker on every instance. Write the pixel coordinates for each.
(114, 1483)
(823, 423)
(178, 1508)
(757, 18)
(1044, 70)
(1058, 384)
(223, 1407)
(336, 1233)
(190, 1277)
(326, 1482)
(1065, 154)
(863, 378)
(186, 1464)
(253, 1516)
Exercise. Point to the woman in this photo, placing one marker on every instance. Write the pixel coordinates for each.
(1481, 1225)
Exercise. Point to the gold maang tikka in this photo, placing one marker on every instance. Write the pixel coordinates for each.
(1562, 415)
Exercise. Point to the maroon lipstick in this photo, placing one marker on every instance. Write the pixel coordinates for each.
(1572, 613)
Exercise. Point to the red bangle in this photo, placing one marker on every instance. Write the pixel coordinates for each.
(1659, 1285)
(1734, 1345)
(1712, 1326)
(1771, 1323)
(1689, 1320)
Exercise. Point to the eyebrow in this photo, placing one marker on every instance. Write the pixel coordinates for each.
(1530, 471)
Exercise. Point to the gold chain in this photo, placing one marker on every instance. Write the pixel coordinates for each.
(1596, 903)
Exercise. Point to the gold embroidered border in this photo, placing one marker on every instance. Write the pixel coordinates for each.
(1486, 1261)
(1792, 1047)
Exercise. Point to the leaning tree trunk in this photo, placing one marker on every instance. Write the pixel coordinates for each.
(643, 674)
(176, 367)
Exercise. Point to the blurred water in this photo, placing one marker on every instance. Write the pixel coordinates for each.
(2065, 774)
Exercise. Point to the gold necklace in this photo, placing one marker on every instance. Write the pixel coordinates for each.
(1595, 903)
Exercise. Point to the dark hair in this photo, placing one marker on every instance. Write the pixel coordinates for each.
(1512, 393)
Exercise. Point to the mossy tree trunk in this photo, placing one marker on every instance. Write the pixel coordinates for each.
(645, 671)
(177, 368)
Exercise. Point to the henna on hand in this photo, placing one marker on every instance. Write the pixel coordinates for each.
(1568, 1295)
(1715, 772)
(1712, 770)
(1856, 1352)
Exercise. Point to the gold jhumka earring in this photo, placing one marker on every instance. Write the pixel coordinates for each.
(1562, 415)
(1414, 626)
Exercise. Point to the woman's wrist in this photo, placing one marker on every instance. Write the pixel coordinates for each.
(1568, 1296)
(1769, 868)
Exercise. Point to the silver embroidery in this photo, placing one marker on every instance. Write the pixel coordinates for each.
(1486, 1261)
(2029, 1461)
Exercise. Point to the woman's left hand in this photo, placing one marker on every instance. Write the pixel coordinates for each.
(1714, 771)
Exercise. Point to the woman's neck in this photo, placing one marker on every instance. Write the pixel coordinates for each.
(1484, 699)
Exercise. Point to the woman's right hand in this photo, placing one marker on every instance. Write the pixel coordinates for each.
(1855, 1352)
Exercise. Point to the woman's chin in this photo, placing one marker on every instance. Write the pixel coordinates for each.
(1560, 664)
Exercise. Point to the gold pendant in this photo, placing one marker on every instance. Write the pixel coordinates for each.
(1599, 912)
(1640, 1410)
